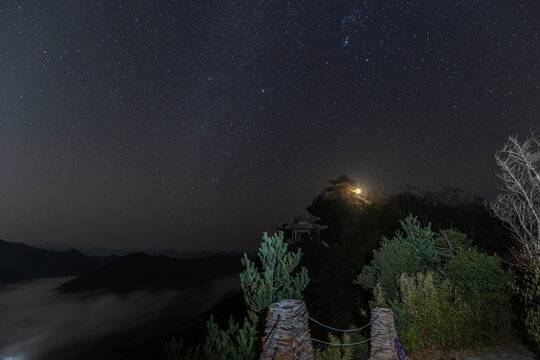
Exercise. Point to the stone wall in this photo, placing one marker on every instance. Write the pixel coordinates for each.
(382, 333)
(287, 335)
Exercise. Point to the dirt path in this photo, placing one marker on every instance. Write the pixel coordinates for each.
(500, 353)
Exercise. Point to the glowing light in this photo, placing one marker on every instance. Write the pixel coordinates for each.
(357, 191)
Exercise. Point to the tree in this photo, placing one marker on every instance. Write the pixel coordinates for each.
(518, 206)
(409, 251)
(276, 280)
(391, 260)
(232, 343)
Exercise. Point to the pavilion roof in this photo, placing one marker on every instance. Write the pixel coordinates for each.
(308, 226)
(306, 217)
(342, 178)
(338, 187)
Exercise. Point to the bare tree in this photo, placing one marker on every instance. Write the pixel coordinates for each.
(518, 205)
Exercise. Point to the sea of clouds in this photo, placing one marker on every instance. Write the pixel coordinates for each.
(35, 319)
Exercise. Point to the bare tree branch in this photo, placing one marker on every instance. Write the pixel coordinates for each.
(518, 206)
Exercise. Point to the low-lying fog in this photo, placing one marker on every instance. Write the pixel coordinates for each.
(34, 319)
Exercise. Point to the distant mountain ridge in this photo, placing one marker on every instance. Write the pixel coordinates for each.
(118, 274)
(140, 271)
(104, 251)
(19, 261)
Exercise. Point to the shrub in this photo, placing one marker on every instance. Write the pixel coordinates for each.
(343, 352)
(174, 350)
(529, 291)
(487, 288)
(419, 240)
(233, 343)
(429, 315)
(389, 262)
(275, 281)
(335, 352)
(408, 252)
(457, 240)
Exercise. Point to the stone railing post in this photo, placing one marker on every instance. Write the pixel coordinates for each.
(287, 335)
(382, 333)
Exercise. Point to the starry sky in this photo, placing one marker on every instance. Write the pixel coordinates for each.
(198, 124)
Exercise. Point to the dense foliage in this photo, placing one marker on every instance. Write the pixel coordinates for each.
(389, 262)
(232, 343)
(355, 231)
(275, 280)
(485, 286)
(429, 314)
(364, 248)
(529, 292)
(343, 352)
(444, 292)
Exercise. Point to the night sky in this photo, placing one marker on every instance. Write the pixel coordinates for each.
(199, 124)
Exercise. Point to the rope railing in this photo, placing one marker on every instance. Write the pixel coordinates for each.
(341, 330)
(335, 344)
(290, 321)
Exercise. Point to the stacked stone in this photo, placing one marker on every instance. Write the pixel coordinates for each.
(383, 333)
(287, 335)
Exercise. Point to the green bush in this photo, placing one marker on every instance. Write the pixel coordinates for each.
(174, 350)
(418, 239)
(444, 293)
(275, 281)
(430, 315)
(487, 288)
(411, 250)
(389, 262)
(528, 289)
(232, 343)
(457, 240)
(343, 352)
(335, 352)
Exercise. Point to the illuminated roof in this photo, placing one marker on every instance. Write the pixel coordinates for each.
(339, 187)
(342, 179)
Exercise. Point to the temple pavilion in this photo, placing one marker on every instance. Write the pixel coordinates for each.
(304, 227)
(345, 188)
(340, 187)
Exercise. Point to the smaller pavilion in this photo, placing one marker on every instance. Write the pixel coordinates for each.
(304, 227)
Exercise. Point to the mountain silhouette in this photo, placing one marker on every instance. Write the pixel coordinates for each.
(140, 271)
(19, 261)
(105, 251)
